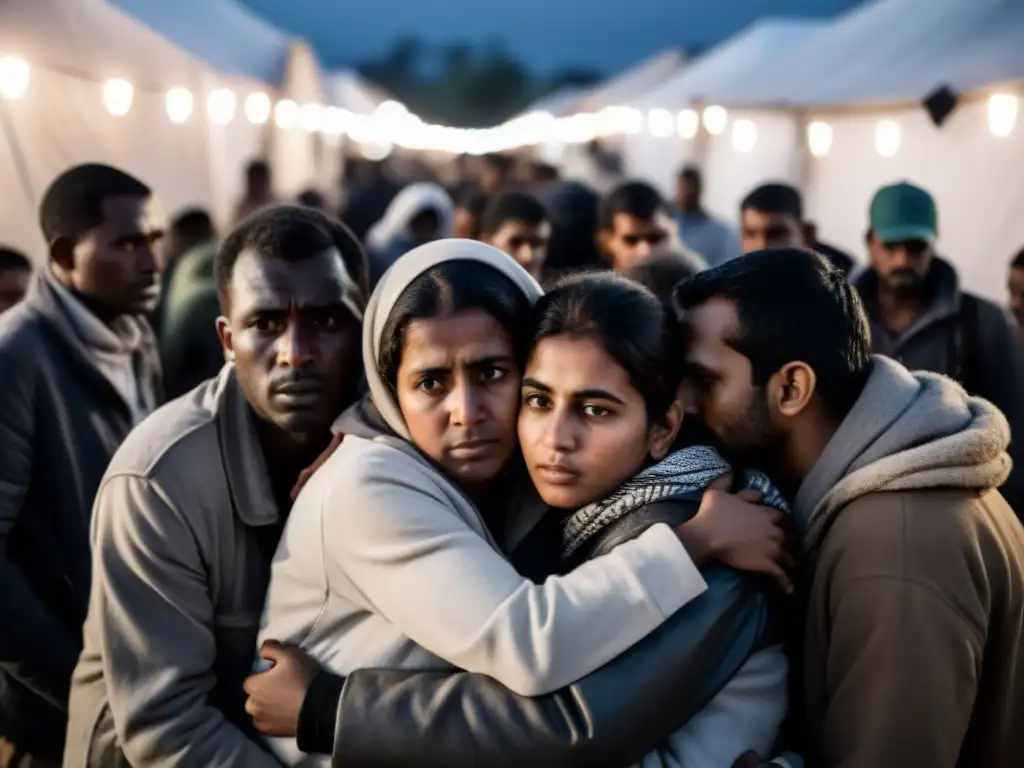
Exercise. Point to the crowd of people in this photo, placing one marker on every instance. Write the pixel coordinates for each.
(504, 472)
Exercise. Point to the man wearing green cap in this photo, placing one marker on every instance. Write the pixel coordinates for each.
(920, 316)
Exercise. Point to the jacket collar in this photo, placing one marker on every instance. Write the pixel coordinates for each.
(43, 302)
(944, 295)
(248, 478)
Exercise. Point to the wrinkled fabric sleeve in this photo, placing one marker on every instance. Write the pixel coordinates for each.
(156, 624)
(612, 717)
(35, 646)
(402, 551)
(902, 672)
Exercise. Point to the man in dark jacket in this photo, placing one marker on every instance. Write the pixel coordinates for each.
(920, 316)
(80, 369)
(189, 347)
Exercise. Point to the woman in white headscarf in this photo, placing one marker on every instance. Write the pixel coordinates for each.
(387, 559)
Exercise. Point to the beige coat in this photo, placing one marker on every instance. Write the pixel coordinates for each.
(172, 623)
(386, 563)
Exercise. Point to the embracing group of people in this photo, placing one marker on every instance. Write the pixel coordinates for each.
(577, 527)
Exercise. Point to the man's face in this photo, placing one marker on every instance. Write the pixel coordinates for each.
(719, 388)
(114, 265)
(687, 194)
(13, 285)
(902, 267)
(296, 347)
(466, 224)
(632, 239)
(1015, 284)
(525, 242)
(762, 230)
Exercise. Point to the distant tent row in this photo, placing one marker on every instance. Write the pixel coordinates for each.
(862, 80)
(74, 47)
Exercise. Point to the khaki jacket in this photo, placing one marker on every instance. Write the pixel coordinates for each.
(179, 577)
(914, 644)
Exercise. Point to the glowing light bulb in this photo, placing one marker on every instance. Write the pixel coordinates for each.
(118, 96)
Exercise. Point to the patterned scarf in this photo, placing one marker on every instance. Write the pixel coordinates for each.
(686, 471)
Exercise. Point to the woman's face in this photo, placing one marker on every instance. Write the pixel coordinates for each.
(458, 390)
(583, 427)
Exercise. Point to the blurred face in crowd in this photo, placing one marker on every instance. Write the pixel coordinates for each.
(458, 390)
(632, 239)
(466, 224)
(761, 230)
(902, 267)
(1015, 284)
(687, 194)
(719, 387)
(114, 266)
(13, 285)
(425, 227)
(583, 426)
(525, 242)
(296, 347)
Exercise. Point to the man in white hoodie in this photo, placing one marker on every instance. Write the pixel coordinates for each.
(913, 647)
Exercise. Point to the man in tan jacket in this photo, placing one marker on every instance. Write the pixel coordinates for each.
(913, 648)
(189, 513)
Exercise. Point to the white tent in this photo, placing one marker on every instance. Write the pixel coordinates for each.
(234, 41)
(878, 63)
(73, 47)
(639, 78)
(734, 61)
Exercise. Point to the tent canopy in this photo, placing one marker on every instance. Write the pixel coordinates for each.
(346, 89)
(93, 41)
(733, 61)
(894, 51)
(640, 78)
(222, 33)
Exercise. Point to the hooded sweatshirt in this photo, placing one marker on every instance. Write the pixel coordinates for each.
(385, 562)
(391, 237)
(914, 642)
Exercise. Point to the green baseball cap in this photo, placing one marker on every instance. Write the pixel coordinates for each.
(902, 212)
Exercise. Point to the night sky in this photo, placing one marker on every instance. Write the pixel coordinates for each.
(603, 35)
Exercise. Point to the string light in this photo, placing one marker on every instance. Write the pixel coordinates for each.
(178, 103)
(286, 113)
(1002, 113)
(221, 104)
(661, 123)
(888, 137)
(118, 96)
(715, 118)
(744, 136)
(310, 117)
(687, 123)
(819, 138)
(257, 108)
(14, 77)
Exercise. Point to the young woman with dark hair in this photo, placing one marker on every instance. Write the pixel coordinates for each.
(392, 556)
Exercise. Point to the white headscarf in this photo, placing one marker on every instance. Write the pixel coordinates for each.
(394, 282)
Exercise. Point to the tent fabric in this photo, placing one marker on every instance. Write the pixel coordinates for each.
(348, 90)
(72, 46)
(894, 51)
(640, 78)
(734, 61)
(223, 33)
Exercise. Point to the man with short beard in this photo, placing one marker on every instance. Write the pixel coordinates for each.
(921, 316)
(913, 648)
(190, 511)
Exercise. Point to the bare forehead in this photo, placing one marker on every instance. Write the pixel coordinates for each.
(709, 327)
(316, 280)
(466, 336)
(132, 213)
